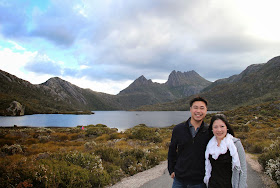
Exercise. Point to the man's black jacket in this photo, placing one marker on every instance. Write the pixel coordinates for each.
(186, 154)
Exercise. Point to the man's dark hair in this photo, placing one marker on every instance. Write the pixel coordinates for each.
(198, 98)
(224, 119)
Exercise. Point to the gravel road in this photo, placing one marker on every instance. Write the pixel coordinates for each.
(159, 177)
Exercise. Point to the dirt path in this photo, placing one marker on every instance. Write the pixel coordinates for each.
(159, 177)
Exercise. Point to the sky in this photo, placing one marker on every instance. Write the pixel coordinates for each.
(105, 45)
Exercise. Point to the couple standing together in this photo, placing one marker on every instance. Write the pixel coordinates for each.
(203, 156)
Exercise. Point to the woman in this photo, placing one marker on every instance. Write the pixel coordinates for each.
(225, 162)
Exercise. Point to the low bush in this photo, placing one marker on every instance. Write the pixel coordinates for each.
(142, 132)
(53, 173)
(108, 154)
(271, 152)
(90, 145)
(98, 130)
(273, 169)
(240, 128)
(13, 149)
(115, 172)
(60, 137)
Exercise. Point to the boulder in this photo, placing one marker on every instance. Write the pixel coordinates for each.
(15, 109)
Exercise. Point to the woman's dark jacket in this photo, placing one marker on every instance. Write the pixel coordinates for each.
(186, 155)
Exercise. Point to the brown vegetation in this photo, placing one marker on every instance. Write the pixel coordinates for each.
(96, 155)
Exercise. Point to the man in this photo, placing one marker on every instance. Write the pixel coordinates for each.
(186, 156)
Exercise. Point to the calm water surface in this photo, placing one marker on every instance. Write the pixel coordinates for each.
(113, 119)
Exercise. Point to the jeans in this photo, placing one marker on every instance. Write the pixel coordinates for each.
(178, 184)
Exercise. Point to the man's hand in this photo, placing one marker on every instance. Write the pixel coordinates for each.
(172, 175)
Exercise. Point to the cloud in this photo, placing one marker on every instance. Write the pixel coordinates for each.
(41, 64)
(122, 40)
(161, 37)
(56, 24)
(13, 18)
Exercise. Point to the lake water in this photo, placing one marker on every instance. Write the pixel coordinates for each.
(113, 119)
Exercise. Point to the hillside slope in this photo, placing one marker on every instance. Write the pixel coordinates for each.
(53, 96)
(256, 84)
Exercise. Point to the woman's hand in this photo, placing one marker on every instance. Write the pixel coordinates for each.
(172, 175)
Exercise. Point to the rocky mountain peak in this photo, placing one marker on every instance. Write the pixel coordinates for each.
(141, 81)
(64, 89)
(54, 81)
(177, 78)
(137, 84)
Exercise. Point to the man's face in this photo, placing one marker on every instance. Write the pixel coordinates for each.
(198, 111)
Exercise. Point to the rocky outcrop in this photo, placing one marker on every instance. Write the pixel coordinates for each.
(15, 109)
(184, 84)
(139, 85)
(65, 90)
(177, 78)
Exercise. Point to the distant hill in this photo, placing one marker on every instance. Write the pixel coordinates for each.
(144, 92)
(60, 96)
(256, 84)
(53, 96)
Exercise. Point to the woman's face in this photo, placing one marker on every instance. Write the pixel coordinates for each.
(219, 129)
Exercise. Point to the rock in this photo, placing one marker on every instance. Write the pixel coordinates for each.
(15, 109)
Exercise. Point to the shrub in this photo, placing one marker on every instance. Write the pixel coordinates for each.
(13, 149)
(15, 170)
(60, 137)
(24, 184)
(108, 154)
(115, 172)
(241, 128)
(142, 132)
(53, 173)
(273, 169)
(138, 154)
(271, 152)
(115, 136)
(103, 137)
(97, 125)
(30, 141)
(85, 160)
(153, 159)
(44, 139)
(75, 136)
(90, 145)
(91, 164)
(97, 131)
(127, 163)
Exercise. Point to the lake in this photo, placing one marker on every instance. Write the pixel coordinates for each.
(113, 119)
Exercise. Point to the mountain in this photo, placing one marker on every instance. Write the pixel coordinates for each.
(53, 96)
(235, 78)
(146, 92)
(183, 84)
(142, 92)
(78, 97)
(256, 84)
(58, 96)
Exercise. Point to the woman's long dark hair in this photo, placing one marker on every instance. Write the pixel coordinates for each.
(224, 119)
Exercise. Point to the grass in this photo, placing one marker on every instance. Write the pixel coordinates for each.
(97, 156)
